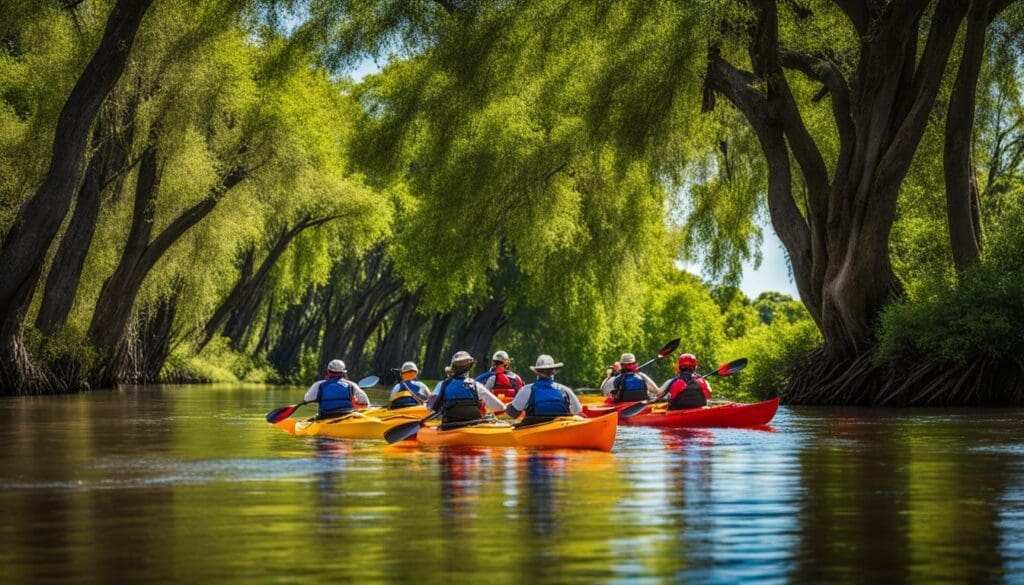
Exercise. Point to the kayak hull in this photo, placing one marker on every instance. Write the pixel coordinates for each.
(602, 409)
(360, 425)
(569, 432)
(725, 415)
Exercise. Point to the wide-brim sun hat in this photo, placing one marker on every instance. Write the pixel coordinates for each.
(545, 362)
(627, 358)
(336, 366)
(410, 367)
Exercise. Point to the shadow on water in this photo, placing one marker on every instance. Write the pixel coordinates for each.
(190, 484)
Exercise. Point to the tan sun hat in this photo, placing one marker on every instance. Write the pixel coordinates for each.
(500, 356)
(545, 362)
(627, 358)
(462, 357)
(336, 366)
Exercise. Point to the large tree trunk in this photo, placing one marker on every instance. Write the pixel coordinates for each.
(838, 244)
(962, 206)
(433, 361)
(109, 162)
(476, 334)
(26, 243)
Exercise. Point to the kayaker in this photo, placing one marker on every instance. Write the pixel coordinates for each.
(630, 385)
(686, 389)
(461, 398)
(408, 391)
(335, 394)
(544, 399)
(501, 381)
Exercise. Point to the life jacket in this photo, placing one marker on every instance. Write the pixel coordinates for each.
(686, 391)
(335, 395)
(406, 396)
(505, 385)
(458, 400)
(630, 387)
(547, 400)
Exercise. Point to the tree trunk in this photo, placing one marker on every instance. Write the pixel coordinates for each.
(402, 340)
(109, 162)
(476, 335)
(433, 362)
(117, 298)
(26, 243)
(838, 243)
(962, 209)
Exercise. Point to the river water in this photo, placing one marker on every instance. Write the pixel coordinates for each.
(190, 484)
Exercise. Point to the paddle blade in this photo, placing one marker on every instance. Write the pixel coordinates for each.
(669, 347)
(732, 367)
(402, 431)
(632, 410)
(368, 381)
(279, 414)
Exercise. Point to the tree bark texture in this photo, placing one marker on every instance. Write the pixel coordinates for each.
(839, 245)
(26, 243)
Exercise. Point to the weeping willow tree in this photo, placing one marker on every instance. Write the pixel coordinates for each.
(838, 97)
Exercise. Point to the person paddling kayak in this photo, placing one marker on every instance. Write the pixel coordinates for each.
(630, 385)
(501, 381)
(408, 391)
(335, 394)
(544, 399)
(461, 398)
(686, 389)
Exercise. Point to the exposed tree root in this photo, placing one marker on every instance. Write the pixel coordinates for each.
(862, 382)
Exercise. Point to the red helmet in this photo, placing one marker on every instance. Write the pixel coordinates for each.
(687, 361)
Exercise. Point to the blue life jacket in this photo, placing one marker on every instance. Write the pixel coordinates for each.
(457, 390)
(630, 387)
(547, 400)
(335, 395)
(404, 397)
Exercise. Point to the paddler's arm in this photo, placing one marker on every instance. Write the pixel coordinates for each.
(574, 402)
(519, 403)
(608, 385)
(312, 392)
(361, 396)
(432, 400)
(491, 401)
(652, 388)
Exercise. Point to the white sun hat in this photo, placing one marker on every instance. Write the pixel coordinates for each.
(545, 362)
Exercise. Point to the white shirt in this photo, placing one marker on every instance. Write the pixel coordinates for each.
(522, 399)
(490, 400)
(358, 394)
(419, 387)
(609, 384)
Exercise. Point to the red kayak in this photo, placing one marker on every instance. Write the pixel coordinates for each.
(733, 414)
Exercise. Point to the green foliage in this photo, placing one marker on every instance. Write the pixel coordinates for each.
(978, 316)
(772, 350)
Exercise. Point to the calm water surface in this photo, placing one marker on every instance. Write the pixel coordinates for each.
(190, 484)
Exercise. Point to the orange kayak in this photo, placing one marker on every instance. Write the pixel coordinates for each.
(567, 432)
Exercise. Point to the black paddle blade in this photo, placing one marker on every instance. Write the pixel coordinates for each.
(732, 367)
(669, 347)
(632, 410)
(402, 431)
(368, 381)
(279, 414)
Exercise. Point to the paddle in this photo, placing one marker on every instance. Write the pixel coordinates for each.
(279, 414)
(406, 430)
(723, 370)
(669, 348)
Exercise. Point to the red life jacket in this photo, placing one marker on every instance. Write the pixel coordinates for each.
(688, 392)
(505, 386)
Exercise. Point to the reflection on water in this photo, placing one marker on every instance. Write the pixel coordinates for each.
(190, 484)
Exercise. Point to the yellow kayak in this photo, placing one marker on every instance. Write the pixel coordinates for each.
(567, 432)
(371, 423)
